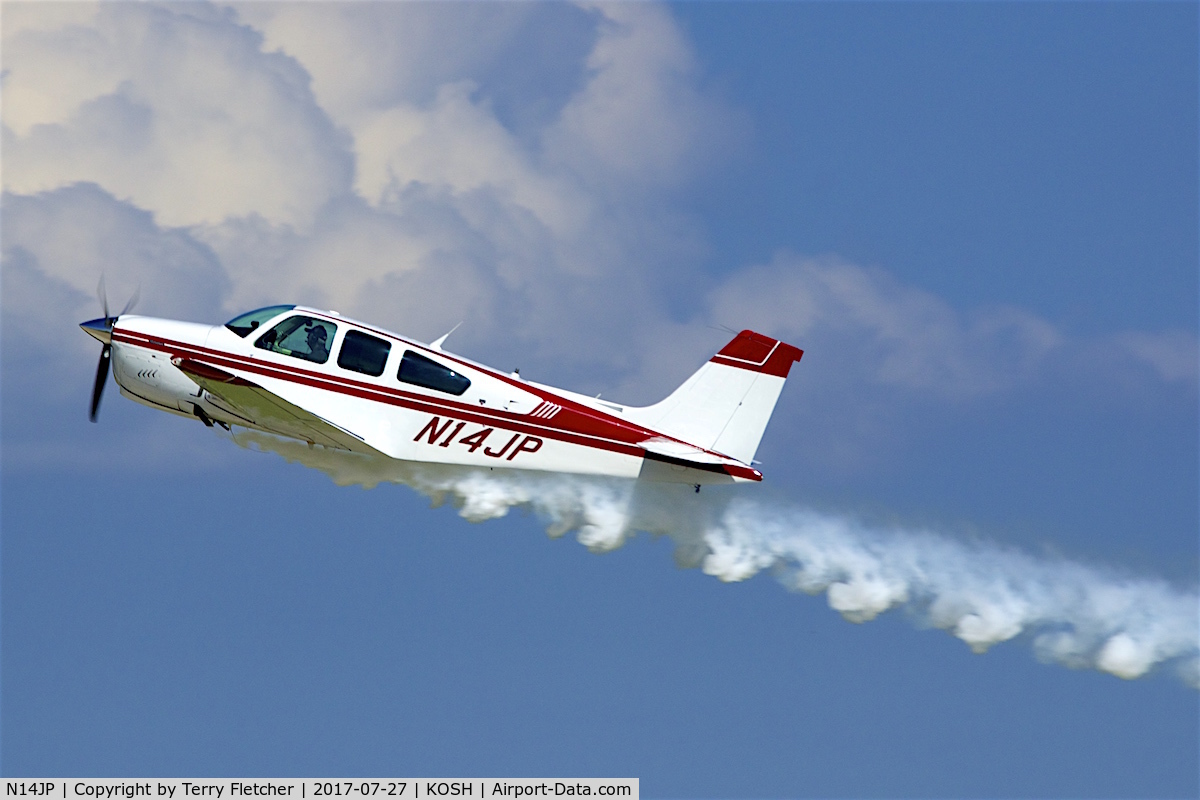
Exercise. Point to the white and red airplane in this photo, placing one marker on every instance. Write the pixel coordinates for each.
(319, 377)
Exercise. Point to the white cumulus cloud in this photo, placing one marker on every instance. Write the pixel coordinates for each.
(175, 108)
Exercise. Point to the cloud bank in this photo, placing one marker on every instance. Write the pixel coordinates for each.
(411, 164)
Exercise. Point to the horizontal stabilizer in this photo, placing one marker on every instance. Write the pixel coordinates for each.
(686, 458)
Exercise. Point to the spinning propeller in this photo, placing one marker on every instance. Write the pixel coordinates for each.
(101, 329)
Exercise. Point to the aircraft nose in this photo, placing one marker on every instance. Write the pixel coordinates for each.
(99, 329)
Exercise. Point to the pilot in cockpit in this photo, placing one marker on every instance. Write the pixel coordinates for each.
(318, 347)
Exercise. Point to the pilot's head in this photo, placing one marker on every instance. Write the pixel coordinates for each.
(317, 336)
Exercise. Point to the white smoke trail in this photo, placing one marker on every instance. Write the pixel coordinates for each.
(1075, 615)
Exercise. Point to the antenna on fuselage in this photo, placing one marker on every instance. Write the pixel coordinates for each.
(437, 343)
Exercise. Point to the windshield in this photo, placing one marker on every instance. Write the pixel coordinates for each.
(249, 321)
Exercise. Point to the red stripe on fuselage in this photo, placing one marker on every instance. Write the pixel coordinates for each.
(583, 426)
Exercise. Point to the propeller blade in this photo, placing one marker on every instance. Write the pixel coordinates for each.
(137, 293)
(101, 378)
(102, 330)
(103, 295)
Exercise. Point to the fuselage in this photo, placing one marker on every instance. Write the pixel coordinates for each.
(397, 397)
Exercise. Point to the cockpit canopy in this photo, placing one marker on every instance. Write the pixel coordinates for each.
(312, 339)
(250, 321)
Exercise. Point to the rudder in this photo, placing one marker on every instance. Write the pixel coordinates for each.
(726, 404)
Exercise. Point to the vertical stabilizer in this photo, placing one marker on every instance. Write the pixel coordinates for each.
(726, 404)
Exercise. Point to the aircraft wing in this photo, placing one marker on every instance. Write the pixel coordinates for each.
(269, 411)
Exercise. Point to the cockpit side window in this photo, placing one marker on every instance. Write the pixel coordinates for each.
(250, 321)
(421, 371)
(363, 353)
(302, 337)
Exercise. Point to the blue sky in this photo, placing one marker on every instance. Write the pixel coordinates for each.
(979, 221)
